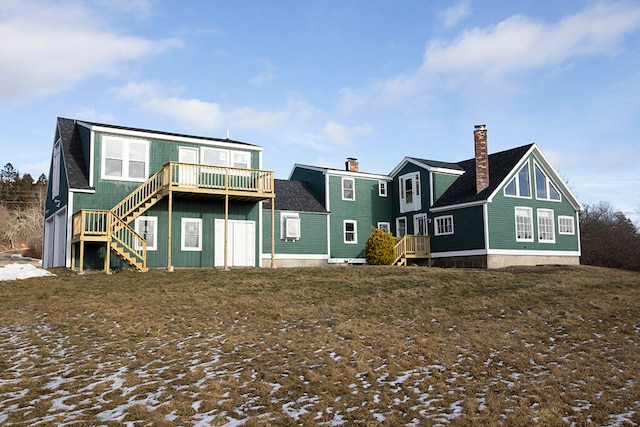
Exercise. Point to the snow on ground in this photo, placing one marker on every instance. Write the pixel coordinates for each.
(22, 271)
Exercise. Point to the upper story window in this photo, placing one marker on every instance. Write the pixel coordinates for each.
(382, 188)
(520, 185)
(566, 225)
(544, 188)
(225, 158)
(410, 192)
(290, 226)
(125, 158)
(348, 189)
(444, 225)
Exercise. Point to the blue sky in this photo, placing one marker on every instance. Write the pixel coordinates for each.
(315, 82)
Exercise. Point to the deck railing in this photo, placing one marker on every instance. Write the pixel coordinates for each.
(412, 246)
(191, 175)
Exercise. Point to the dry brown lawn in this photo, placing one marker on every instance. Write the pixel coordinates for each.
(337, 346)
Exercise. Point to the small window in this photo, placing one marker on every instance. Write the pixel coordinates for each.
(241, 159)
(125, 158)
(546, 231)
(444, 225)
(290, 226)
(147, 228)
(382, 188)
(544, 188)
(520, 185)
(350, 231)
(385, 226)
(524, 224)
(214, 157)
(401, 226)
(191, 234)
(566, 225)
(348, 189)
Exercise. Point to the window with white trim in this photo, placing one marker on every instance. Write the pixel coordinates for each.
(401, 226)
(55, 172)
(191, 234)
(544, 188)
(409, 190)
(290, 226)
(385, 226)
(382, 188)
(147, 228)
(348, 189)
(546, 226)
(241, 159)
(524, 224)
(350, 231)
(566, 225)
(520, 185)
(125, 158)
(444, 225)
(214, 156)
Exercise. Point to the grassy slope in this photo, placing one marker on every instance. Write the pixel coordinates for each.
(378, 345)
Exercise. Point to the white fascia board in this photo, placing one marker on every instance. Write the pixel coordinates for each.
(81, 190)
(475, 252)
(557, 178)
(509, 176)
(172, 138)
(363, 175)
(458, 206)
(408, 160)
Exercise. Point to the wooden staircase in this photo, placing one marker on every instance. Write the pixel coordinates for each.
(412, 247)
(112, 226)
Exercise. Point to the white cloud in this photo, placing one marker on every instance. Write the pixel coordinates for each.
(265, 76)
(455, 13)
(198, 114)
(493, 54)
(91, 115)
(45, 51)
(343, 135)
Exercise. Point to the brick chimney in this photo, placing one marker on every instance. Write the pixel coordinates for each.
(482, 157)
(351, 164)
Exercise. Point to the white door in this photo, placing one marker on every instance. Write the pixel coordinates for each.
(60, 238)
(188, 174)
(241, 243)
(420, 229)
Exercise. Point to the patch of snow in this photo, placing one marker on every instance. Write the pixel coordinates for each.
(22, 271)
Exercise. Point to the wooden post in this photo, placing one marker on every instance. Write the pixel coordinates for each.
(273, 238)
(169, 230)
(226, 227)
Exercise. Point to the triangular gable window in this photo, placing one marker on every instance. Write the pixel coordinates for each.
(544, 188)
(519, 186)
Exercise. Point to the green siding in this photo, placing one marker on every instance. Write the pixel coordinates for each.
(313, 235)
(441, 182)
(316, 180)
(50, 206)
(468, 231)
(367, 209)
(502, 228)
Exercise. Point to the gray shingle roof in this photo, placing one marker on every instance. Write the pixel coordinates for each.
(438, 164)
(463, 190)
(76, 167)
(294, 196)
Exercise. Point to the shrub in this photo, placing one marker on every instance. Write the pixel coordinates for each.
(380, 248)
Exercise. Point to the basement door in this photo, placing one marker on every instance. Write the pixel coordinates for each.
(242, 243)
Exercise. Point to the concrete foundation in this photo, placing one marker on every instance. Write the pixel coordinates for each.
(501, 261)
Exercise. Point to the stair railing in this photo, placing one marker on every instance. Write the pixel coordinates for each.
(134, 245)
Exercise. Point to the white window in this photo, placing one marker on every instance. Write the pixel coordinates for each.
(410, 192)
(385, 226)
(401, 226)
(520, 185)
(348, 189)
(382, 188)
(566, 225)
(420, 225)
(290, 226)
(191, 234)
(444, 225)
(147, 228)
(125, 158)
(350, 231)
(241, 159)
(214, 157)
(544, 188)
(55, 171)
(546, 230)
(524, 224)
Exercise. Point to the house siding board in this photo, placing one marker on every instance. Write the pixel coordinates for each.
(441, 183)
(313, 236)
(315, 179)
(51, 206)
(502, 220)
(367, 209)
(468, 227)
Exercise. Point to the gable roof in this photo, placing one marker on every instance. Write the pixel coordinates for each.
(294, 196)
(463, 190)
(73, 157)
(430, 165)
(341, 172)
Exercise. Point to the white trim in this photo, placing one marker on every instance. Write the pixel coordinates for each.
(387, 223)
(485, 213)
(553, 225)
(154, 220)
(260, 225)
(383, 184)
(284, 229)
(92, 154)
(183, 246)
(509, 176)
(475, 252)
(172, 138)
(82, 190)
(416, 187)
(431, 189)
(353, 188)
(548, 185)
(515, 221)
(405, 225)
(339, 172)
(443, 218)
(347, 261)
(516, 178)
(416, 218)
(126, 150)
(408, 160)
(458, 206)
(355, 232)
(296, 256)
(69, 229)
